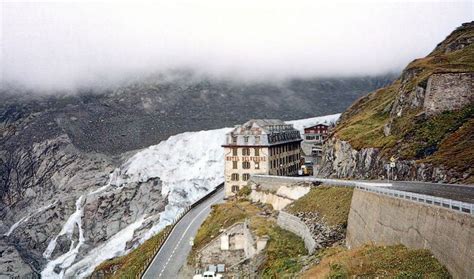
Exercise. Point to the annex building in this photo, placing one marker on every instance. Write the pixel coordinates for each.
(260, 146)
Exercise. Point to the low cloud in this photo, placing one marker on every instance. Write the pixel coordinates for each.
(57, 45)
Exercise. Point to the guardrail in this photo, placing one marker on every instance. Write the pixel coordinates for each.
(442, 202)
(170, 228)
(376, 187)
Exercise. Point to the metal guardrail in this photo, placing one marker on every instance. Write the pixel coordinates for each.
(376, 187)
(442, 202)
(171, 227)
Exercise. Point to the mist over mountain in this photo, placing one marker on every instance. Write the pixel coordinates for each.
(145, 112)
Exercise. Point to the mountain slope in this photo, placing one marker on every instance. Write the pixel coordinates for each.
(424, 119)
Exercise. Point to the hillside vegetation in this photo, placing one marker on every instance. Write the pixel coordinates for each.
(377, 262)
(128, 266)
(414, 135)
(333, 203)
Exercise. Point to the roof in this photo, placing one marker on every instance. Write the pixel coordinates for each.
(319, 124)
(267, 125)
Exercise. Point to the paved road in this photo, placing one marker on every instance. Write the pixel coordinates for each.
(464, 193)
(174, 252)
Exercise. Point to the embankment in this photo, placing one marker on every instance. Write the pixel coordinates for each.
(383, 220)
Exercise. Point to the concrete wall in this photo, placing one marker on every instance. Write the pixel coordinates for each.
(383, 220)
(295, 225)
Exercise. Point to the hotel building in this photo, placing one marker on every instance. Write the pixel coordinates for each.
(260, 146)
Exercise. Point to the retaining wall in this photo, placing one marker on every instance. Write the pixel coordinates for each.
(384, 220)
(294, 224)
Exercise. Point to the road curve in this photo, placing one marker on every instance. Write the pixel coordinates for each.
(174, 252)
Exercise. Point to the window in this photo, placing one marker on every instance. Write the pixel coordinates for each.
(257, 152)
(234, 151)
(246, 139)
(234, 139)
(235, 177)
(246, 165)
(257, 139)
(246, 151)
(235, 188)
(257, 166)
(245, 176)
(234, 165)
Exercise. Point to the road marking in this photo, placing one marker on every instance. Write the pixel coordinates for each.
(182, 236)
(212, 202)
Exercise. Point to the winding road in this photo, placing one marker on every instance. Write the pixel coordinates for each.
(174, 252)
(171, 257)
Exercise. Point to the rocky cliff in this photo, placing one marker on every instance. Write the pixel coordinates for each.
(61, 203)
(424, 121)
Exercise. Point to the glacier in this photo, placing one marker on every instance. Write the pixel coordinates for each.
(189, 165)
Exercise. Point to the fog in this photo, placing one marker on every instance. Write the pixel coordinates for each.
(59, 45)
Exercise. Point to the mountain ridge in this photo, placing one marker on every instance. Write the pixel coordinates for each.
(424, 119)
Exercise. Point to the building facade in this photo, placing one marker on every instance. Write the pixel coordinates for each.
(313, 138)
(262, 146)
(316, 134)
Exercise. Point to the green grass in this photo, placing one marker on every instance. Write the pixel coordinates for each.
(377, 261)
(282, 252)
(426, 136)
(333, 203)
(128, 266)
(363, 122)
(457, 145)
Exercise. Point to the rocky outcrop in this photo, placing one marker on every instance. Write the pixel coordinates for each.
(12, 264)
(340, 160)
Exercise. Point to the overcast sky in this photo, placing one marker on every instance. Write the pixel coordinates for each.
(63, 45)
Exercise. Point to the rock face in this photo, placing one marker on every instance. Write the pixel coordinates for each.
(11, 263)
(342, 161)
(40, 217)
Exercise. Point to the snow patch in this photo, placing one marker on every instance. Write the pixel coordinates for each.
(66, 259)
(115, 246)
(27, 217)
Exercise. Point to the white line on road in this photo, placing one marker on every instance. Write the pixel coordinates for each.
(192, 221)
(182, 236)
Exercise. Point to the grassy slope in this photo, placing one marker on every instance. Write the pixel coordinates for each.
(282, 249)
(362, 124)
(129, 265)
(333, 203)
(377, 261)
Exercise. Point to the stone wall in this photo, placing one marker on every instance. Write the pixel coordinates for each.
(383, 220)
(448, 92)
(295, 225)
